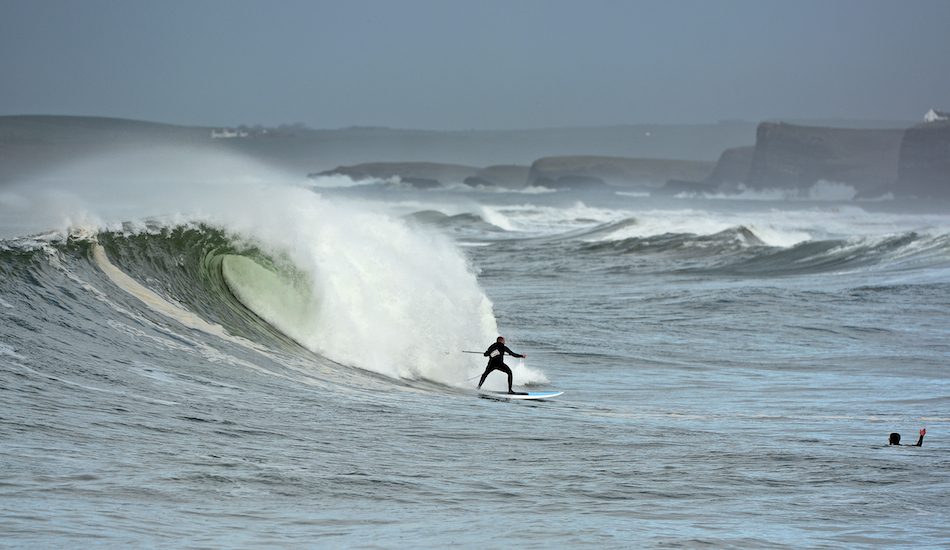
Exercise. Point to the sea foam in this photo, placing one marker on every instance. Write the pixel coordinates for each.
(387, 297)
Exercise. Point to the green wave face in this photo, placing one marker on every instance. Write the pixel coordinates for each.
(283, 299)
(379, 296)
(186, 264)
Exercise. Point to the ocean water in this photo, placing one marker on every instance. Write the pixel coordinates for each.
(216, 355)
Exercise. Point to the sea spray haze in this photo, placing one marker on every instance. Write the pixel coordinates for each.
(199, 352)
(377, 302)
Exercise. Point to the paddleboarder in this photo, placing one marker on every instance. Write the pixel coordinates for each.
(496, 355)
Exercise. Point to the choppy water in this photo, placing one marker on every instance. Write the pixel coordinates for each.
(284, 368)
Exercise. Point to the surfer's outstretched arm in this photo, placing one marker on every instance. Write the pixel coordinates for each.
(513, 354)
(921, 440)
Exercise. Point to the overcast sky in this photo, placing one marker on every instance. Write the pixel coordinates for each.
(474, 64)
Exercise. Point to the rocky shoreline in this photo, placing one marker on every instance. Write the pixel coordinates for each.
(899, 162)
(911, 163)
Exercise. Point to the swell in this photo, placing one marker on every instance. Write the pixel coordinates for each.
(182, 264)
(380, 297)
(739, 251)
(899, 252)
(732, 256)
(775, 244)
(69, 316)
(185, 263)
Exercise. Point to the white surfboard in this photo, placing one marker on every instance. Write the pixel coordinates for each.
(520, 394)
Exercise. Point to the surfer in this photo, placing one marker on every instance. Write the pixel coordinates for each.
(496, 361)
(895, 439)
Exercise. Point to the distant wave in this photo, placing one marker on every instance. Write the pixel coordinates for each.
(740, 241)
(822, 190)
(740, 252)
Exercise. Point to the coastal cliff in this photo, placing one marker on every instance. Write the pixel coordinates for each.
(729, 176)
(417, 174)
(586, 171)
(574, 172)
(512, 176)
(732, 169)
(790, 156)
(30, 144)
(433, 174)
(924, 166)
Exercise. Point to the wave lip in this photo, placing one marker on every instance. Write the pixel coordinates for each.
(359, 289)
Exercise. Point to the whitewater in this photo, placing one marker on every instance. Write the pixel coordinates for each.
(197, 351)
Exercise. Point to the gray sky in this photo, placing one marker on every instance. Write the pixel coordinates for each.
(474, 64)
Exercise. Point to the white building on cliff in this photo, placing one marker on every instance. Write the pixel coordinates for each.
(228, 133)
(934, 115)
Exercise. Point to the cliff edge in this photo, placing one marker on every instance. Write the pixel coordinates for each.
(924, 166)
(790, 156)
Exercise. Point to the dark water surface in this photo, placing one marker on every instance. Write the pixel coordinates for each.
(731, 373)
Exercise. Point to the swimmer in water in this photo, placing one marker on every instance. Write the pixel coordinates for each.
(895, 439)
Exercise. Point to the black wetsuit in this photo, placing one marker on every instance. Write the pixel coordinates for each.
(895, 439)
(496, 354)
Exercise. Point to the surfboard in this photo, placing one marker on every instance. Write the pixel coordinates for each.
(521, 394)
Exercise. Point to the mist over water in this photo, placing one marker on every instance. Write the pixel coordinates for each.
(129, 185)
(190, 339)
(371, 300)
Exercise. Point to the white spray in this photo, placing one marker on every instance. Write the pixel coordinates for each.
(387, 297)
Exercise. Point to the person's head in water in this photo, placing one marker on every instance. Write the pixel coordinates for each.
(895, 439)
